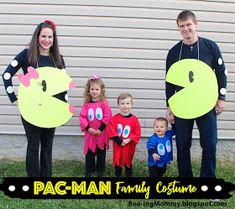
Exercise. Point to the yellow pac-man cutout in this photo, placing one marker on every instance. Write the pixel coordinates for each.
(200, 89)
(39, 97)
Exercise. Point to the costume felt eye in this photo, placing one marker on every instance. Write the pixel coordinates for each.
(91, 114)
(161, 149)
(168, 146)
(126, 131)
(119, 129)
(99, 113)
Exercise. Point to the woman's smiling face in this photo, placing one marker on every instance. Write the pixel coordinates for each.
(45, 40)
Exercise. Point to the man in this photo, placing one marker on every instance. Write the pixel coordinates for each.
(194, 47)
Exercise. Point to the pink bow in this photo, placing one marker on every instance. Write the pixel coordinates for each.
(94, 77)
(25, 79)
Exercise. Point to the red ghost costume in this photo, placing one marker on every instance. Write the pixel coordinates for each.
(93, 114)
(124, 127)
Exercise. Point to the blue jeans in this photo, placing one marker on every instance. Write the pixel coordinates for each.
(207, 126)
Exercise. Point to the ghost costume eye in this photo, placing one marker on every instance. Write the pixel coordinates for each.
(126, 131)
(119, 129)
(161, 149)
(91, 114)
(99, 113)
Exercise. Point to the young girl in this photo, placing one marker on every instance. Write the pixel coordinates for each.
(94, 117)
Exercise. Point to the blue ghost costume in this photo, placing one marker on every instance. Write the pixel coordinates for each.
(162, 147)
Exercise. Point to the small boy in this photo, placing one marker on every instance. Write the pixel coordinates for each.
(159, 148)
(124, 129)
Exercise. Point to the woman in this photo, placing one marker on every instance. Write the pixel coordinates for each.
(43, 51)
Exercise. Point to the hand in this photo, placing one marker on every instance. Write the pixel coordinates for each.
(15, 103)
(170, 116)
(122, 144)
(220, 106)
(92, 131)
(156, 157)
(98, 132)
(126, 141)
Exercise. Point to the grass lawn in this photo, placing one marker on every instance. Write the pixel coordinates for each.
(225, 171)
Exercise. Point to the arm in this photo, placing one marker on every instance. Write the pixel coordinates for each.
(220, 106)
(169, 88)
(112, 132)
(118, 140)
(169, 134)
(83, 118)
(100, 129)
(107, 114)
(112, 129)
(152, 149)
(135, 132)
(63, 62)
(170, 116)
(126, 141)
(221, 75)
(11, 70)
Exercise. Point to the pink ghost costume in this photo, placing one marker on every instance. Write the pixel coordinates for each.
(94, 114)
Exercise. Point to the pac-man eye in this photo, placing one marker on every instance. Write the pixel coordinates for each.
(44, 85)
(191, 76)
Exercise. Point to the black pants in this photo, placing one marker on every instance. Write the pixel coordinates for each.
(118, 171)
(156, 171)
(100, 163)
(37, 136)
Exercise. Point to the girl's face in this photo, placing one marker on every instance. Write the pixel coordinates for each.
(160, 128)
(45, 40)
(95, 92)
(125, 106)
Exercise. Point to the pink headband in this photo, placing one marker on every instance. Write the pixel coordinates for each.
(95, 77)
(51, 23)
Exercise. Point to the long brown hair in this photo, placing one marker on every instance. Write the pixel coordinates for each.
(33, 50)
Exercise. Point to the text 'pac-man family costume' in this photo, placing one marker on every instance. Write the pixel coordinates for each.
(38, 99)
(124, 127)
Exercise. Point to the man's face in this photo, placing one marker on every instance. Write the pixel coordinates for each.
(187, 28)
